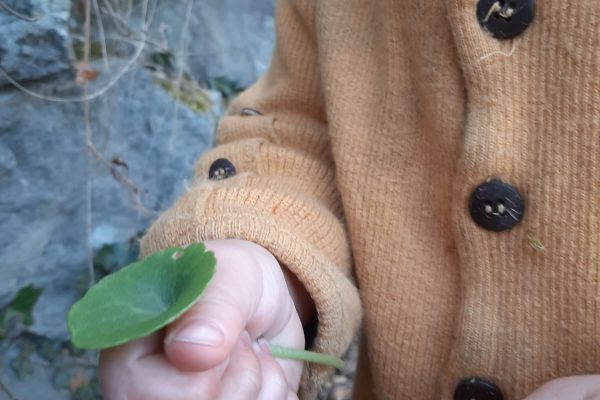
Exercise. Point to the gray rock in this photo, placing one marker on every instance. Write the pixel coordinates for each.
(148, 142)
(7, 160)
(33, 50)
(236, 45)
(37, 382)
(211, 38)
(39, 368)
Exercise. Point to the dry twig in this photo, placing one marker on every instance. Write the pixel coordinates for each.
(7, 391)
(17, 14)
(89, 143)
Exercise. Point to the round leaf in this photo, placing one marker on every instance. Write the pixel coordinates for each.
(141, 297)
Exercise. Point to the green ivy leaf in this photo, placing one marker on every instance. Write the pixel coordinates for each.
(24, 301)
(145, 296)
(18, 312)
(141, 297)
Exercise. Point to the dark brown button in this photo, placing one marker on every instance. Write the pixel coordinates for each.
(221, 168)
(505, 19)
(496, 205)
(477, 389)
(249, 112)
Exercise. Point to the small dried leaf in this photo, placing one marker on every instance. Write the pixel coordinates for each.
(84, 73)
(77, 382)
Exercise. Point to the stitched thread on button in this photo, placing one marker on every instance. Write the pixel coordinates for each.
(220, 173)
(489, 209)
(220, 169)
(496, 8)
(506, 14)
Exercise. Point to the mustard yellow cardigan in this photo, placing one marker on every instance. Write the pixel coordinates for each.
(432, 169)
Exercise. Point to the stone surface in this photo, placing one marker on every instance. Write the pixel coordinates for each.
(237, 44)
(144, 135)
(148, 138)
(33, 50)
(212, 38)
(29, 375)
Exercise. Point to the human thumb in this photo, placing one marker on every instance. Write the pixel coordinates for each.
(207, 333)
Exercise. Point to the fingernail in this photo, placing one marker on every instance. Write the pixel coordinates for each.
(200, 333)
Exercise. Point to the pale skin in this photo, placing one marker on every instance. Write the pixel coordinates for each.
(217, 349)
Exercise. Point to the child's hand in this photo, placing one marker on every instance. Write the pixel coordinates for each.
(583, 387)
(207, 353)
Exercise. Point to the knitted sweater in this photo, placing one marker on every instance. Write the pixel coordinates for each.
(356, 167)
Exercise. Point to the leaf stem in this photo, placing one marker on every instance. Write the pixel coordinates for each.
(308, 356)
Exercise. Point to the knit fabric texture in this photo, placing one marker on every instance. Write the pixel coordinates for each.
(378, 121)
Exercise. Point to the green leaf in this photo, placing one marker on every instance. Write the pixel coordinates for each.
(228, 88)
(141, 297)
(164, 59)
(18, 311)
(145, 296)
(24, 302)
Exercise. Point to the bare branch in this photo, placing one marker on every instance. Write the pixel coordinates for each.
(88, 139)
(135, 190)
(129, 8)
(120, 23)
(101, 34)
(7, 391)
(182, 45)
(17, 14)
(79, 99)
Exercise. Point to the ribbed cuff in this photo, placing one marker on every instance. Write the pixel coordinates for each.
(307, 238)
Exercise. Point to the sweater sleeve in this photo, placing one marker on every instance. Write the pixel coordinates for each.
(283, 194)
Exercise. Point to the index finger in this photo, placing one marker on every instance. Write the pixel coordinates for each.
(139, 370)
(206, 334)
